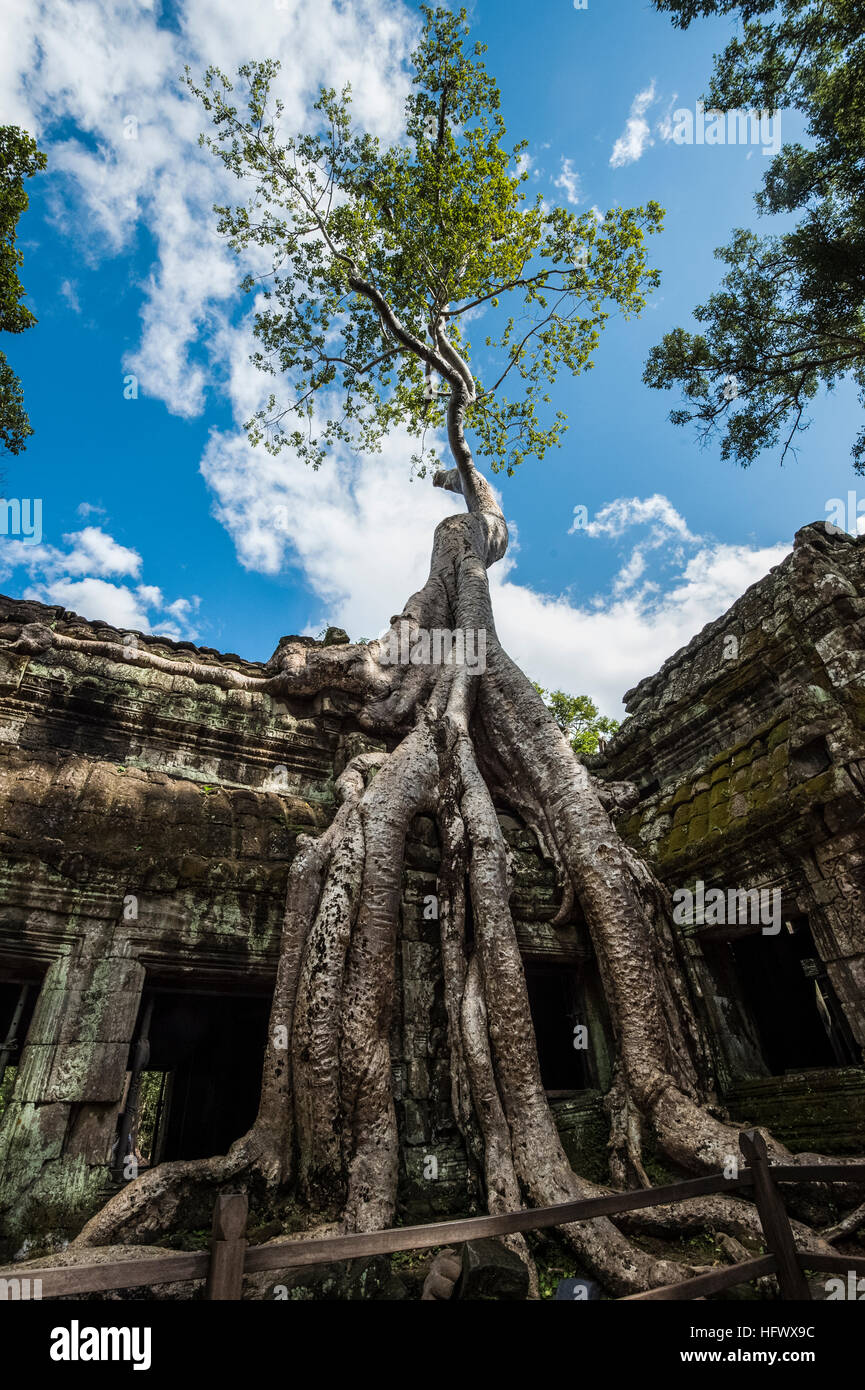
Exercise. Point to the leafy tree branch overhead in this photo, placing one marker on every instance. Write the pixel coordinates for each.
(578, 718)
(382, 256)
(20, 159)
(789, 318)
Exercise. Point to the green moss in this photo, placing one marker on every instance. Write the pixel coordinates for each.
(760, 770)
(779, 757)
(761, 796)
(778, 784)
(779, 734)
(584, 1132)
(719, 794)
(675, 842)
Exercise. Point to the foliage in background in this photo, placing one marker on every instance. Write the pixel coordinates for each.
(578, 718)
(790, 314)
(19, 160)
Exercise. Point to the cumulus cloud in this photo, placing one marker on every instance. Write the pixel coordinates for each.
(637, 134)
(360, 530)
(671, 582)
(568, 181)
(621, 515)
(607, 643)
(86, 574)
(361, 534)
(98, 81)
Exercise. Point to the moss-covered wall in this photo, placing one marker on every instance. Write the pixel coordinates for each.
(748, 751)
(147, 824)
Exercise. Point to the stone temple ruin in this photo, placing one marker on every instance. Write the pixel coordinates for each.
(146, 828)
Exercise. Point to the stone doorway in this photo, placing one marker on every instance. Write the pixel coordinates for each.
(198, 1086)
(17, 1001)
(786, 996)
(556, 1007)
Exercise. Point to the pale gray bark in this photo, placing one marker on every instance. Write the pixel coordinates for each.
(326, 1120)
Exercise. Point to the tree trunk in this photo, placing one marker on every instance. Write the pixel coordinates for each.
(460, 743)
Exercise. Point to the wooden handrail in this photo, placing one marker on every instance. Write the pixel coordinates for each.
(773, 1217)
(819, 1172)
(172, 1267)
(291, 1253)
(832, 1264)
(712, 1282)
(229, 1257)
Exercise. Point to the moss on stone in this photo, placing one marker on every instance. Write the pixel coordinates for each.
(779, 734)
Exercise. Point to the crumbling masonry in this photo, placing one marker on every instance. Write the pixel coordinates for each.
(147, 824)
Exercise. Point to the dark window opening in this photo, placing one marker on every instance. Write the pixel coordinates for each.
(794, 1010)
(17, 1002)
(811, 759)
(200, 1078)
(554, 1000)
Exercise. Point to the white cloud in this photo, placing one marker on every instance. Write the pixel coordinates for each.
(93, 551)
(637, 135)
(360, 529)
(361, 533)
(603, 646)
(569, 181)
(95, 598)
(83, 577)
(107, 74)
(90, 550)
(620, 515)
(69, 292)
(665, 124)
(607, 642)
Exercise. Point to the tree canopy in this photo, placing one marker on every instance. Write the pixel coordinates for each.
(19, 160)
(788, 318)
(382, 255)
(578, 718)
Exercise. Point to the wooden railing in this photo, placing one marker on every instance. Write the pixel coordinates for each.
(230, 1257)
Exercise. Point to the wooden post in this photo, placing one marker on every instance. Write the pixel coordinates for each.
(227, 1246)
(773, 1217)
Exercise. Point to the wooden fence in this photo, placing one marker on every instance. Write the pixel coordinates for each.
(230, 1257)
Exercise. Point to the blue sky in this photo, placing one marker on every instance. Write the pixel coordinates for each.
(155, 512)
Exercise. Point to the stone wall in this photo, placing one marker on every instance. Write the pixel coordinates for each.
(146, 828)
(748, 750)
(147, 824)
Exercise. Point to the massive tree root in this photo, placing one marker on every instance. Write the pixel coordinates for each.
(458, 745)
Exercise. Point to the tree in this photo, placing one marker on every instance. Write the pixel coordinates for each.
(378, 256)
(20, 159)
(790, 315)
(578, 718)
